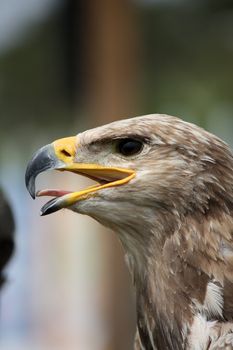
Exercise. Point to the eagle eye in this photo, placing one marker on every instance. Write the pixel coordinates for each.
(129, 147)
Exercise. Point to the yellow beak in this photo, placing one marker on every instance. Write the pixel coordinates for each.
(63, 155)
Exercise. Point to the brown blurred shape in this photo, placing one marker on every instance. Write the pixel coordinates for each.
(111, 58)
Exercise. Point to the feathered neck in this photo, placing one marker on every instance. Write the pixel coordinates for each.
(171, 273)
(163, 308)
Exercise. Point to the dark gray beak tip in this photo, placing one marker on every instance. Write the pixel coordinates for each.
(43, 213)
(30, 181)
(43, 159)
(31, 190)
(50, 207)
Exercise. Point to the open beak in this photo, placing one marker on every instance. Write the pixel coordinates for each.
(63, 155)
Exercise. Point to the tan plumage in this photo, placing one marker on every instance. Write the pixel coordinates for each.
(174, 218)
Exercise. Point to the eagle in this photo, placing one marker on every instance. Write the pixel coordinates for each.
(165, 186)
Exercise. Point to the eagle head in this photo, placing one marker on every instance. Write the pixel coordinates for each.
(142, 166)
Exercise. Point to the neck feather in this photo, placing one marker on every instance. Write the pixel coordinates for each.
(167, 278)
(162, 306)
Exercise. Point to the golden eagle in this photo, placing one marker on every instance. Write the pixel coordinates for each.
(165, 187)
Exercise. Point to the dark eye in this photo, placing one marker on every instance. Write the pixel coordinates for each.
(129, 147)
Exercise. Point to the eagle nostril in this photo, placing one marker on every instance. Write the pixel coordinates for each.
(65, 153)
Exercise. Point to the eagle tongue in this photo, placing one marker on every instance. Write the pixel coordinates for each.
(52, 193)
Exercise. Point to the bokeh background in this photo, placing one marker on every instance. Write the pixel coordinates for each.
(69, 65)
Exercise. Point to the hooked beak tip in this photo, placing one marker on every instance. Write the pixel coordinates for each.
(44, 159)
(30, 183)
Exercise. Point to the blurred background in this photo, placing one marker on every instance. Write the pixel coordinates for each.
(69, 65)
